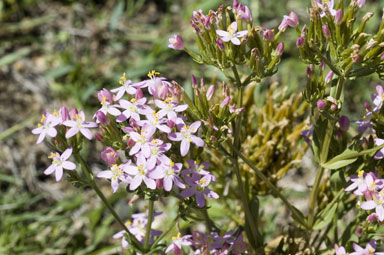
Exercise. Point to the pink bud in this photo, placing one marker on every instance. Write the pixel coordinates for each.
(99, 137)
(159, 183)
(309, 72)
(359, 230)
(133, 199)
(220, 44)
(333, 107)
(171, 124)
(104, 95)
(367, 106)
(322, 65)
(267, 35)
(176, 42)
(210, 92)
(64, 113)
(329, 77)
(109, 155)
(139, 93)
(339, 17)
(280, 49)
(326, 31)
(102, 118)
(372, 217)
(225, 102)
(344, 123)
(73, 113)
(321, 104)
(300, 42)
(360, 3)
(382, 57)
(194, 82)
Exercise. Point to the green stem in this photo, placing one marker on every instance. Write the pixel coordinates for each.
(295, 212)
(164, 233)
(323, 159)
(149, 224)
(92, 182)
(237, 144)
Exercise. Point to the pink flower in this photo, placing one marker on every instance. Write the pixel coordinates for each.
(116, 174)
(379, 98)
(110, 155)
(142, 142)
(153, 122)
(158, 148)
(289, 21)
(340, 250)
(177, 242)
(141, 172)
(186, 137)
(170, 108)
(59, 162)
(380, 153)
(171, 171)
(46, 127)
(79, 125)
(198, 188)
(157, 86)
(326, 5)
(359, 183)
(133, 108)
(126, 87)
(231, 34)
(368, 250)
(176, 42)
(376, 203)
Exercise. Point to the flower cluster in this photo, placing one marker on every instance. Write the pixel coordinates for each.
(211, 243)
(370, 249)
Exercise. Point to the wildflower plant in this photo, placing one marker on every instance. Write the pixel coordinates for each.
(220, 147)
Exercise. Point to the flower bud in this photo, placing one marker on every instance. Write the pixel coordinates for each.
(194, 82)
(104, 95)
(210, 92)
(64, 113)
(322, 65)
(300, 42)
(367, 106)
(344, 123)
(176, 42)
(225, 102)
(321, 104)
(220, 44)
(368, 16)
(359, 230)
(109, 155)
(99, 137)
(309, 72)
(326, 31)
(382, 57)
(333, 108)
(372, 217)
(339, 17)
(102, 118)
(73, 113)
(267, 35)
(329, 77)
(280, 49)
(360, 3)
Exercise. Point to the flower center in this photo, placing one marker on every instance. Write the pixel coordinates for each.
(141, 169)
(116, 171)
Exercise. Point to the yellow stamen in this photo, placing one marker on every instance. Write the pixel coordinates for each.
(55, 113)
(123, 79)
(77, 117)
(53, 155)
(42, 118)
(361, 173)
(152, 74)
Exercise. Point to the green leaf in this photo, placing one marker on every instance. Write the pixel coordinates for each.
(325, 217)
(116, 15)
(347, 157)
(14, 56)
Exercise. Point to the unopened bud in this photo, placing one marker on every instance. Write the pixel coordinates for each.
(300, 42)
(321, 104)
(102, 118)
(220, 44)
(210, 92)
(329, 77)
(225, 102)
(194, 82)
(110, 155)
(344, 123)
(367, 16)
(99, 137)
(73, 113)
(64, 113)
(267, 35)
(280, 49)
(339, 17)
(326, 31)
(139, 93)
(367, 106)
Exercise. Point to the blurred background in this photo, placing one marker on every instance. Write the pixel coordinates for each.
(55, 53)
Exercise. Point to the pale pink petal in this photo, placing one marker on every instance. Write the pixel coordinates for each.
(37, 130)
(114, 184)
(181, 108)
(380, 212)
(242, 33)
(368, 205)
(87, 133)
(113, 111)
(222, 33)
(71, 132)
(150, 183)
(52, 132)
(68, 165)
(157, 173)
(129, 169)
(134, 149)
(136, 182)
(194, 126)
(50, 169)
(175, 136)
(197, 141)
(104, 174)
(167, 182)
(235, 41)
(164, 128)
(59, 173)
(234, 26)
(41, 137)
(66, 154)
(184, 147)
